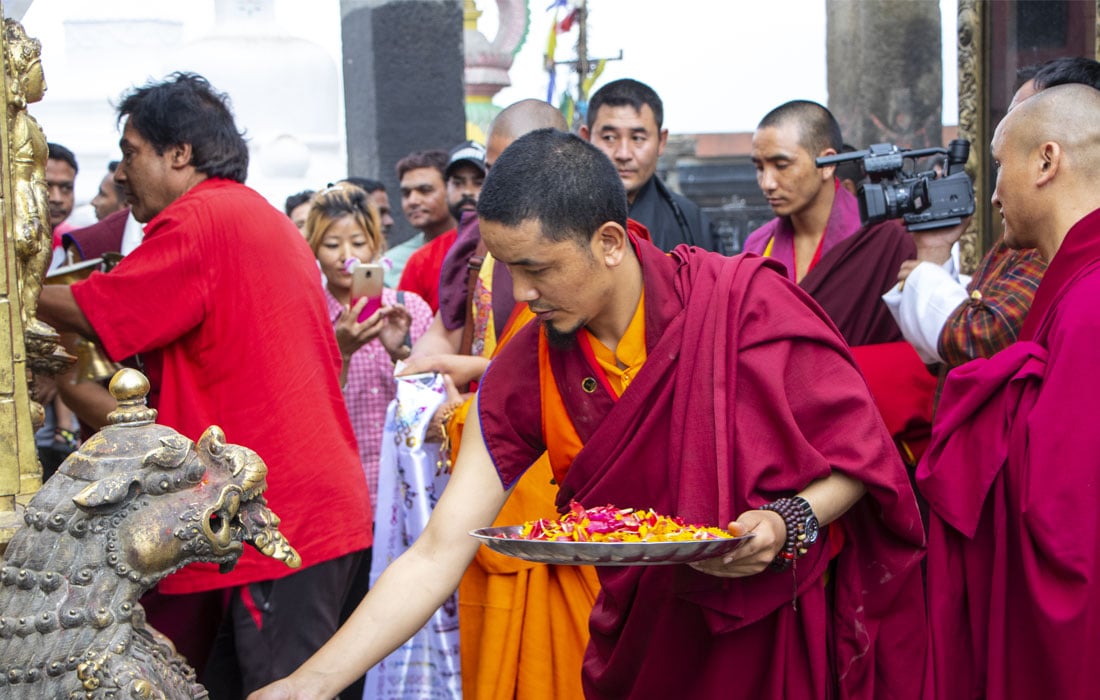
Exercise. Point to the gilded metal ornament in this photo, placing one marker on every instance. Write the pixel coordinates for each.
(136, 502)
(972, 107)
(27, 228)
(28, 154)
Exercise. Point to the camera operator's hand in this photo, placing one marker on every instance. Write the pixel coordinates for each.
(906, 268)
(935, 246)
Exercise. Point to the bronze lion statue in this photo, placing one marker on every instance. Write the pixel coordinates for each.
(136, 502)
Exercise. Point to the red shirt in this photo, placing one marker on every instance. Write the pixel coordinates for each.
(222, 298)
(421, 273)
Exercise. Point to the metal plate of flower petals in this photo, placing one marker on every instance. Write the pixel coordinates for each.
(505, 540)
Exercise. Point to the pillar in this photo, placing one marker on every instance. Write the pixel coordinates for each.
(885, 73)
(403, 91)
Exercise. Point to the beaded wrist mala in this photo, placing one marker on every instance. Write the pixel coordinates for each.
(794, 514)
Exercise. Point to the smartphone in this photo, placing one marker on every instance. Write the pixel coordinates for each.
(366, 281)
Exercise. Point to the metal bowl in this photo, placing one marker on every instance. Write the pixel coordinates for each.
(504, 540)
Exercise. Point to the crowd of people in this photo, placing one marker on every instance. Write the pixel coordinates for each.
(894, 435)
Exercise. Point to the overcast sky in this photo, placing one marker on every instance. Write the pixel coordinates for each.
(719, 65)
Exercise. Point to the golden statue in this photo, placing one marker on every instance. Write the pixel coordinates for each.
(28, 347)
(29, 151)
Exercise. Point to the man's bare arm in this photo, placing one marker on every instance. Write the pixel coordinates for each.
(89, 400)
(438, 351)
(437, 340)
(412, 587)
(57, 307)
(462, 369)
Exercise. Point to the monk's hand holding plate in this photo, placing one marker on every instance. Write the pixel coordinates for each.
(752, 557)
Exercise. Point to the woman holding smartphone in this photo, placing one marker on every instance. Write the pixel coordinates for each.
(374, 326)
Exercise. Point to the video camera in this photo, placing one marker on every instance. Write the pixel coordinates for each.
(923, 200)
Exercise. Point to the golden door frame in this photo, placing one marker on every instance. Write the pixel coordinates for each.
(975, 38)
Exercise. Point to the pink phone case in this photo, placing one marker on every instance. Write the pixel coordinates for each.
(373, 304)
(367, 281)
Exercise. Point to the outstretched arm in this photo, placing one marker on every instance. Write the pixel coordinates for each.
(412, 587)
(437, 340)
(57, 307)
(89, 400)
(462, 369)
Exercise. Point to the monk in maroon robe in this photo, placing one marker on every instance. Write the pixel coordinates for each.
(1011, 473)
(727, 391)
(736, 404)
(844, 265)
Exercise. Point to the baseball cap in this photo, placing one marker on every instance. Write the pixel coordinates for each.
(470, 152)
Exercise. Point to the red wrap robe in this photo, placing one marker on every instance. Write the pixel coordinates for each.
(858, 265)
(1011, 477)
(748, 394)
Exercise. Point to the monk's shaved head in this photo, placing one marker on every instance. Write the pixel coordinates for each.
(518, 119)
(818, 130)
(1065, 114)
(526, 116)
(1048, 153)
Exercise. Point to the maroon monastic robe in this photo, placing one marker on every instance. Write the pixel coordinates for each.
(850, 279)
(748, 394)
(102, 237)
(848, 282)
(1013, 481)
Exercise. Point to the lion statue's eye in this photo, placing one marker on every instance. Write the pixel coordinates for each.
(195, 472)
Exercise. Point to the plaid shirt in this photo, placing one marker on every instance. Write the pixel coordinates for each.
(1000, 295)
(371, 386)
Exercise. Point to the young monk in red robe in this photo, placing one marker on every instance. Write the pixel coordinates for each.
(1011, 473)
(844, 265)
(721, 394)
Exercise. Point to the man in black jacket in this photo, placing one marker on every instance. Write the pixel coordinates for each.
(624, 121)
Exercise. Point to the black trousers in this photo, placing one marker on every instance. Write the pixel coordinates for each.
(271, 627)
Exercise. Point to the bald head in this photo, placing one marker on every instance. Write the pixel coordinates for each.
(1048, 150)
(1068, 115)
(518, 119)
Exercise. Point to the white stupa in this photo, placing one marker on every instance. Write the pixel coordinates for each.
(286, 94)
(285, 90)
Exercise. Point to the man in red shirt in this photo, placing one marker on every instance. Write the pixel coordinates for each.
(424, 204)
(464, 174)
(222, 284)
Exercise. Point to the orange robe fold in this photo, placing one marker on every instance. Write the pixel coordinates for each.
(523, 627)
